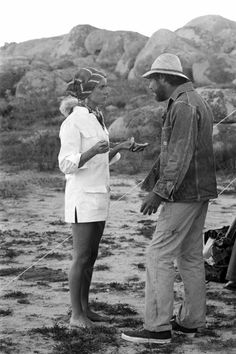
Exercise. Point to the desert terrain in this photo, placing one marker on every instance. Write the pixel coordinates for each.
(35, 308)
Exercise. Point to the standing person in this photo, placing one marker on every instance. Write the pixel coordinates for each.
(84, 159)
(183, 181)
(231, 271)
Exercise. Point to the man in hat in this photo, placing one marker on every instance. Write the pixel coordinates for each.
(182, 181)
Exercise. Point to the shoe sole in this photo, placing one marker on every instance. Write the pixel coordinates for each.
(190, 335)
(145, 340)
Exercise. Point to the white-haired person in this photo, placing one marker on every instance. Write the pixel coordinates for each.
(84, 158)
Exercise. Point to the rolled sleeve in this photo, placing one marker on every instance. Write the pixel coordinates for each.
(69, 164)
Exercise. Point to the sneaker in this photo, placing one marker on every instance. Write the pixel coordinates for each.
(178, 328)
(145, 336)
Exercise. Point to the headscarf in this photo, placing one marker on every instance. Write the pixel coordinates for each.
(84, 83)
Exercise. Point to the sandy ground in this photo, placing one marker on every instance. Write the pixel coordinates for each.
(34, 309)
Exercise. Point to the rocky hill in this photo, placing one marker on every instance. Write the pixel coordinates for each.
(36, 72)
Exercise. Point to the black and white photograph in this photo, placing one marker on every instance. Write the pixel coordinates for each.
(118, 177)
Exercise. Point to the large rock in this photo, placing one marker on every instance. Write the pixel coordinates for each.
(222, 102)
(215, 69)
(40, 82)
(33, 49)
(118, 48)
(164, 41)
(144, 124)
(72, 44)
(106, 45)
(210, 33)
(132, 43)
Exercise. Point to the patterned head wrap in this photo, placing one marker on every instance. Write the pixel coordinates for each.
(84, 83)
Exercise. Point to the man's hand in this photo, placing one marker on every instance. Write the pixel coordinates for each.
(131, 145)
(151, 203)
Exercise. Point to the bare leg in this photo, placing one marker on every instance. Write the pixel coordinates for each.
(83, 238)
(98, 231)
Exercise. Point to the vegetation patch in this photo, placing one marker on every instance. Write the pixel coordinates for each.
(10, 252)
(101, 267)
(113, 309)
(118, 196)
(104, 252)
(81, 340)
(130, 322)
(147, 229)
(6, 346)
(217, 345)
(140, 266)
(58, 222)
(53, 255)
(12, 189)
(4, 313)
(16, 295)
(4, 272)
(44, 273)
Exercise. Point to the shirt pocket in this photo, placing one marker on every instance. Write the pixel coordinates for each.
(96, 189)
(95, 198)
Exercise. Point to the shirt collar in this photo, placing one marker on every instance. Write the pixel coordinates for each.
(186, 87)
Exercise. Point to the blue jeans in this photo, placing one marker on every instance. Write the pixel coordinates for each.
(178, 236)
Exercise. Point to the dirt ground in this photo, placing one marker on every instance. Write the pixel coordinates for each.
(35, 308)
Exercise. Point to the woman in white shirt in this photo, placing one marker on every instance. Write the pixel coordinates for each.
(84, 159)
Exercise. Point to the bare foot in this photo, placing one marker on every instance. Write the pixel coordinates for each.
(95, 317)
(81, 322)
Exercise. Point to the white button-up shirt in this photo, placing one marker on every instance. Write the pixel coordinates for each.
(87, 188)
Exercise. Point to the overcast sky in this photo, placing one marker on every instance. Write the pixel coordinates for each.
(22, 20)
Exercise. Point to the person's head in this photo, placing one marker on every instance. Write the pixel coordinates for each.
(89, 85)
(165, 75)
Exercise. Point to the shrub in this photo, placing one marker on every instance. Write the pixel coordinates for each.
(9, 79)
(39, 150)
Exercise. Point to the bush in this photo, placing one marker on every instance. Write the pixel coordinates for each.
(39, 150)
(21, 113)
(9, 79)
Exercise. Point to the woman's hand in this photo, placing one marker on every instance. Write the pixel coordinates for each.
(131, 145)
(101, 147)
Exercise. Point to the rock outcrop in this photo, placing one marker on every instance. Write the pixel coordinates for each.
(165, 41)
(41, 68)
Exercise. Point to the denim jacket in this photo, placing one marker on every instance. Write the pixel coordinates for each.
(185, 169)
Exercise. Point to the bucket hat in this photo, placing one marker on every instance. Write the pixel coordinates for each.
(166, 63)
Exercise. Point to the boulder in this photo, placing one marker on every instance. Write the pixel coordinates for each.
(133, 43)
(72, 44)
(164, 41)
(117, 48)
(106, 45)
(222, 102)
(214, 69)
(144, 124)
(33, 49)
(210, 33)
(40, 82)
